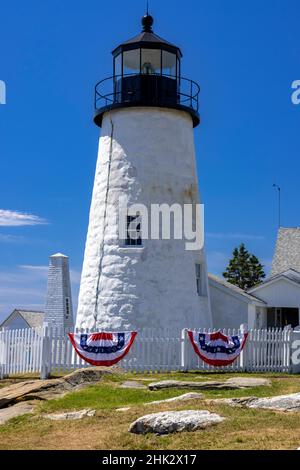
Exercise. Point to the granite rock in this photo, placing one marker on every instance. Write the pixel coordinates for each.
(175, 421)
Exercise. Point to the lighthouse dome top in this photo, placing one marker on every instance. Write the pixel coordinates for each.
(147, 39)
(147, 73)
(147, 22)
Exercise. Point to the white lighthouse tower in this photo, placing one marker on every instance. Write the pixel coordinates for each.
(147, 112)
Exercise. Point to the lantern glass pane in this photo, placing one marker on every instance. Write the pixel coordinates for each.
(151, 61)
(131, 62)
(169, 64)
(118, 65)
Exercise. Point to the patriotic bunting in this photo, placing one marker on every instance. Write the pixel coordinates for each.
(217, 349)
(102, 349)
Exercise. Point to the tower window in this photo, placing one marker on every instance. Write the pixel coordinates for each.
(199, 279)
(133, 230)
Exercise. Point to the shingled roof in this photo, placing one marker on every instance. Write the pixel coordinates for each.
(33, 318)
(287, 252)
(234, 289)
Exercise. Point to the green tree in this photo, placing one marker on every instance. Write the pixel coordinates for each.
(244, 269)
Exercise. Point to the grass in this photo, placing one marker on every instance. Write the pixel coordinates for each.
(242, 429)
(105, 396)
(108, 395)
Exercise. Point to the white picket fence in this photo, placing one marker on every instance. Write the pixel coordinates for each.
(20, 351)
(48, 351)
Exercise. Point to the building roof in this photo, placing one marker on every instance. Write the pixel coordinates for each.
(58, 255)
(289, 275)
(287, 252)
(235, 290)
(33, 318)
(146, 38)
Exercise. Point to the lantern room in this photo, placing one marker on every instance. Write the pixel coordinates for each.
(147, 72)
(147, 54)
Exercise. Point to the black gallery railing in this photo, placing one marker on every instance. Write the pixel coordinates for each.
(147, 89)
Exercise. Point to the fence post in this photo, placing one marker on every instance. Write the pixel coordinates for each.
(244, 355)
(295, 352)
(184, 351)
(45, 353)
(4, 352)
(1, 355)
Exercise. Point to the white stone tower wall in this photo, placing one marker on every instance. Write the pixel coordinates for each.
(146, 154)
(58, 291)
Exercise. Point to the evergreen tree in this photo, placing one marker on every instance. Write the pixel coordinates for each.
(244, 269)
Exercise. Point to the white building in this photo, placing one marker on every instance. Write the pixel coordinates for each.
(232, 306)
(20, 318)
(281, 292)
(146, 155)
(273, 303)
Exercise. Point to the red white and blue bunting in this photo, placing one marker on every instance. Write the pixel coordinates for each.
(102, 349)
(216, 349)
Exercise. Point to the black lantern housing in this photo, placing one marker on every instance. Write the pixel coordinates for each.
(147, 72)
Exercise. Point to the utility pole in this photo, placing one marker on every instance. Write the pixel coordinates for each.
(279, 203)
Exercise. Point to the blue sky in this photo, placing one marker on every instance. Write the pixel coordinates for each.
(245, 55)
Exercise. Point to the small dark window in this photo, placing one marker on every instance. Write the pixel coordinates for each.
(199, 279)
(67, 307)
(133, 230)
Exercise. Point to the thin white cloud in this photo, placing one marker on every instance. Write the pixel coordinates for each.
(34, 268)
(10, 218)
(6, 238)
(234, 236)
(267, 264)
(75, 276)
(43, 270)
(24, 292)
(25, 287)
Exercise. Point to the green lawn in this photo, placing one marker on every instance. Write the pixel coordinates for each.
(108, 395)
(242, 429)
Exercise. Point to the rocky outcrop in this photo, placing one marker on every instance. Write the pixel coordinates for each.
(174, 421)
(248, 382)
(183, 398)
(279, 403)
(71, 415)
(230, 384)
(133, 385)
(14, 411)
(52, 388)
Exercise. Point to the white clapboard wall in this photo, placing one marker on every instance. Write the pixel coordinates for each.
(48, 350)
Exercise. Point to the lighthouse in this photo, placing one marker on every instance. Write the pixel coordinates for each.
(147, 112)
